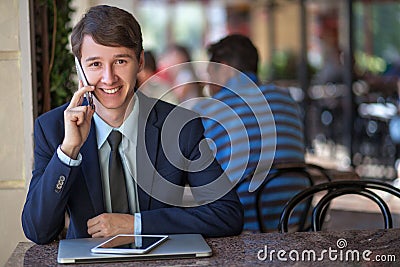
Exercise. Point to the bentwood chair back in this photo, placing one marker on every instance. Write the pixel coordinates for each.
(334, 189)
(264, 206)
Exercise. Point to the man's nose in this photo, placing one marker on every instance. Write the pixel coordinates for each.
(108, 75)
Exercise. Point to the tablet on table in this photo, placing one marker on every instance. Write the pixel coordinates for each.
(129, 244)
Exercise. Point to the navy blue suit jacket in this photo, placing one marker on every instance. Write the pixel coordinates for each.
(56, 188)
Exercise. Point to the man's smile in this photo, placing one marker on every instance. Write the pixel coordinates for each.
(111, 90)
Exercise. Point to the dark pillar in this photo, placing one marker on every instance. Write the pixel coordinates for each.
(303, 68)
(348, 100)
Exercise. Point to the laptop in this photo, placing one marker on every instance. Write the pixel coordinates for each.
(176, 246)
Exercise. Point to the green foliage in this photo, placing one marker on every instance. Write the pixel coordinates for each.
(368, 63)
(283, 66)
(56, 87)
(375, 36)
(62, 85)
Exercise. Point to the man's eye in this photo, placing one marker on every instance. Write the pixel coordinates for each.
(94, 64)
(120, 61)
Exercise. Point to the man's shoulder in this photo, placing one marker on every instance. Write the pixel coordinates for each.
(273, 92)
(274, 88)
(53, 114)
(164, 109)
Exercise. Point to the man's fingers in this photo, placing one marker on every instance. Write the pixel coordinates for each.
(94, 229)
(92, 225)
(77, 97)
(96, 224)
(78, 114)
(92, 221)
(98, 234)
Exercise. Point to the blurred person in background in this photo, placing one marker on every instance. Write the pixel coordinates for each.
(175, 66)
(152, 84)
(240, 91)
(332, 70)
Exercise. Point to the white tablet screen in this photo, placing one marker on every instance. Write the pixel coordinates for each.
(126, 244)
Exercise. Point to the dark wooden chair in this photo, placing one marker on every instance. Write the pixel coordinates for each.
(333, 189)
(281, 184)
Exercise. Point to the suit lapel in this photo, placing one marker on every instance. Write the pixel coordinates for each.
(91, 170)
(147, 147)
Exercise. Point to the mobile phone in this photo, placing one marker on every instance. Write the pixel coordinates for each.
(129, 244)
(85, 82)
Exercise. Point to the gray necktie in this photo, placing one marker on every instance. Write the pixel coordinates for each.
(119, 197)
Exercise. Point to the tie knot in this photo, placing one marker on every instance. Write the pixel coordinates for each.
(114, 139)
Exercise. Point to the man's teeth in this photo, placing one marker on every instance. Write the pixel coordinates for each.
(111, 91)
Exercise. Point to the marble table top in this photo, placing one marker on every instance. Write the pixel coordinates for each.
(341, 248)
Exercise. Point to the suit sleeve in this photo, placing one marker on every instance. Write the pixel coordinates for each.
(220, 212)
(45, 205)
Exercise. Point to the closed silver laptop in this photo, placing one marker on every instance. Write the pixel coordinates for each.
(177, 246)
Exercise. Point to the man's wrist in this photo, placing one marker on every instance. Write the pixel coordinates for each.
(71, 152)
(67, 160)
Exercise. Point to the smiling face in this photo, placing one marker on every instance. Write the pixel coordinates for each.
(113, 72)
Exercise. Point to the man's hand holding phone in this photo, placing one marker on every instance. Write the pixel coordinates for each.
(82, 77)
(77, 118)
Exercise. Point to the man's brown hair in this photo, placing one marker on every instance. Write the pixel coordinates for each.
(108, 26)
(237, 51)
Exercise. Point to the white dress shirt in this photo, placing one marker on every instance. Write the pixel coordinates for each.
(127, 151)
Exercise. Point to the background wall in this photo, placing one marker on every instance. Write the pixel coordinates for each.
(15, 121)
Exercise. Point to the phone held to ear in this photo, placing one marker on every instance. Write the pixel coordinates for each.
(82, 77)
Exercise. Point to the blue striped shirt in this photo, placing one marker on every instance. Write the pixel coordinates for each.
(252, 127)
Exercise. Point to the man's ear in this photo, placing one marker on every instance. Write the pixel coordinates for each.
(141, 61)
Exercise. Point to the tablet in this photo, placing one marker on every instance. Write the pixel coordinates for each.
(129, 244)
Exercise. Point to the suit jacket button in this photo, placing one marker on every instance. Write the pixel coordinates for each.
(62, 178)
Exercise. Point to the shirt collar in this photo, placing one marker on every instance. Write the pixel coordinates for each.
(128, 127)
(242, 79)
(237, 83)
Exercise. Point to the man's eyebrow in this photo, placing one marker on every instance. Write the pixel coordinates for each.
(122, 55)
(115, 56)
(91, 59)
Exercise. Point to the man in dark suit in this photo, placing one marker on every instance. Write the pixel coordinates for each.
(161, 151)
